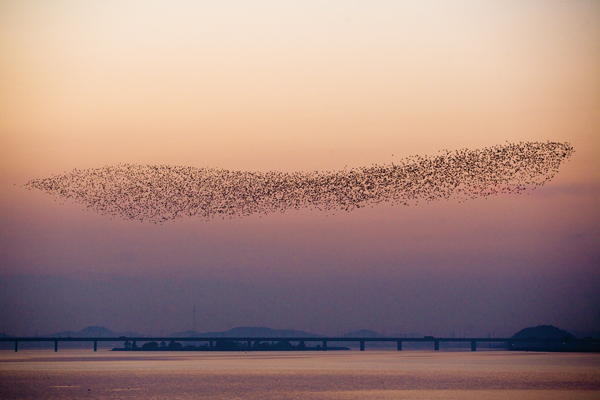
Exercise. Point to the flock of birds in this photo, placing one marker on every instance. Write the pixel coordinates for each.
(158, 193)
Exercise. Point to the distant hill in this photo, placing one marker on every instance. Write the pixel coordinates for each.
(247, 332)
(567, 341)
(94, 331)
(543, 332)
(90, 331)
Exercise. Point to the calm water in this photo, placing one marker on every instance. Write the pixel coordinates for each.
(68, 374)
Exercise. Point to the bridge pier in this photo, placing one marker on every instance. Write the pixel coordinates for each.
(399, 345)
(473, 345)
(324, 344)
(436, 345)
(95, 345)
(16, 346)
(362, 345)
(55, 346)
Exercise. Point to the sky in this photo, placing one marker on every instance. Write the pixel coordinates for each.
(299, 86)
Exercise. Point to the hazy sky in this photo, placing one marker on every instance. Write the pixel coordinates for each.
(299, 86)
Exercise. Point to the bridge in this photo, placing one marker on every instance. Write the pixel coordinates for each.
(593, 344)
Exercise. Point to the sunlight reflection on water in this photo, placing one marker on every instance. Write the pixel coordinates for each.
(345, 375)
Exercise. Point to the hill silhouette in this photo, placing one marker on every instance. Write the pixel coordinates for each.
(87, 332)
(559, 340)
(247, 332)
(94, 331)
(543, 332)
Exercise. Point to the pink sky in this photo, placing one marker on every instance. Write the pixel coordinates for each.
(305, 86)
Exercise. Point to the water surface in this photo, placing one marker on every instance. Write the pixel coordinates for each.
(42, 374)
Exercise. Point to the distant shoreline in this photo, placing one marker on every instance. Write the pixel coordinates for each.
(239, 349)
(227, 345)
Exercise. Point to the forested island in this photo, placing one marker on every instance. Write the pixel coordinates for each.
(568, 342)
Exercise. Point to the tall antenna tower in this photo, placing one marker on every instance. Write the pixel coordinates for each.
(194, 320)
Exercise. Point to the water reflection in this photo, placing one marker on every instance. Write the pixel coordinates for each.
(351, 375)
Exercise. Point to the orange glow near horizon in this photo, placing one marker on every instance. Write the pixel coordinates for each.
(297, 86)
